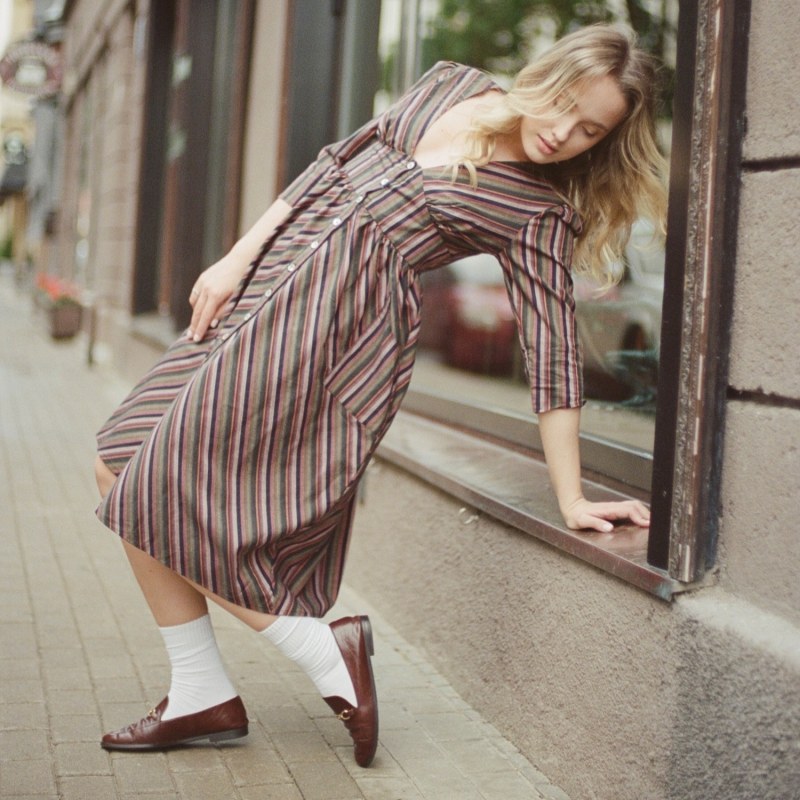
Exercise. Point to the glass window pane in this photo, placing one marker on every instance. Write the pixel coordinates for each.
(468, 345)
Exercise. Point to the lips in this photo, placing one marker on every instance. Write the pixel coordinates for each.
(546, 147)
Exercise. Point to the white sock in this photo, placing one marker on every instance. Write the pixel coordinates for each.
(310, 643)
(199, 680)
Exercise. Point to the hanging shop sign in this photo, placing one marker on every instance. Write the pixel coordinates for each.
(33, 68)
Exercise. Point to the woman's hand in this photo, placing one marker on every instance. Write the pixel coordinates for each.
(599, 516)
(211, 293)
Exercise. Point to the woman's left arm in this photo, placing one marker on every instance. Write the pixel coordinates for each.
(559, 430)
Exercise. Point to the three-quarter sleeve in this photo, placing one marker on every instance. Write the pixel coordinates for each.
(536, 267)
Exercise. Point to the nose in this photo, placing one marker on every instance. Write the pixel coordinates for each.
(560, 131)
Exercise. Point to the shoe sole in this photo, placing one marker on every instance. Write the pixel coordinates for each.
(222, 736)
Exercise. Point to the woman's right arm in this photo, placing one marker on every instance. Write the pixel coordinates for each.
(215, 286)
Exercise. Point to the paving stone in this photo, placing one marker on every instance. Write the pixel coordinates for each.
(303, 747)
(389, 789)
(23, 716)
(23, 744)
(440, 779)
(205, 785)
(142, 772)
(325, 781)
(82, 758)
(75, 728)
(21, 777)
(87, 788)
(283, 791)
(505, 786)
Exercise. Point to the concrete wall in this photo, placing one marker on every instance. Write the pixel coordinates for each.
(614, 694)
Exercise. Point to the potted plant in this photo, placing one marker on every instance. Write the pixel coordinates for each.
(61, 301)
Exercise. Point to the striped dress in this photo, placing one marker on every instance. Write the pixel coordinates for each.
(238, 457)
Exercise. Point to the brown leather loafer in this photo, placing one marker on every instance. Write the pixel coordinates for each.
(228, 720)
(354, 637)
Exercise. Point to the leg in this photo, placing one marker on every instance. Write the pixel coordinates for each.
(202, 702)
(173, 600)
(336, 658)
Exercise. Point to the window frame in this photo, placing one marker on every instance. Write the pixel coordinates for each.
(698, 293)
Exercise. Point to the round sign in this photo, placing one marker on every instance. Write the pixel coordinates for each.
(32, 68)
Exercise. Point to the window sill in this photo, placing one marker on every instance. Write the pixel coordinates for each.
(514, 488)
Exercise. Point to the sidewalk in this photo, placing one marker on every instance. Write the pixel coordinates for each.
(79, 653)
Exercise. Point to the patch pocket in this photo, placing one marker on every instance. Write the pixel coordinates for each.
(363, 379)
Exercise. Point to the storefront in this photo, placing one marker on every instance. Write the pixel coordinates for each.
(626, 659)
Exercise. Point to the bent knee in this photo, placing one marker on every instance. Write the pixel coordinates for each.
(104, 476)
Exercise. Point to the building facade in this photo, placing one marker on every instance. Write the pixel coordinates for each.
(625, 668)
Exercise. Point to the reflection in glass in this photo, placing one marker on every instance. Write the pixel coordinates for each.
(468, 343)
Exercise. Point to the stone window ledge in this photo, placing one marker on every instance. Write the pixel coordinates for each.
(514, 488)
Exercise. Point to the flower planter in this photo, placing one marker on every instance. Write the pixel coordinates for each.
(65, 319)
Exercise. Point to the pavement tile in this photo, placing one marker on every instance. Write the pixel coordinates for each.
(447, 727)
(389, 789)
(505, 786)
(440, 779)
(477, 757)
(75, 728)
(406, 745)
(82, 758)
(256, 766)
(142, 773)
(23, 716)
(286, 719)
(335, 733)
(394, 716)
(205, 785)
(300, 748)
(57, 678)
(21, 690)
(194, 759)
(424, 700)
(18, 667)
(23, 777)
(70, 701)
(22, 745)
(155, 796)
(283, 791)
(87, 787)
(325, 781)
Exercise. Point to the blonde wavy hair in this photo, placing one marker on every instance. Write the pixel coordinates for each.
(617, 180)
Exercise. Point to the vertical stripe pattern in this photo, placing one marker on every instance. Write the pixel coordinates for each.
(237, 458)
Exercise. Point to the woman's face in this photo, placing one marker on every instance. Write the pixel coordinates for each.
(597, 107)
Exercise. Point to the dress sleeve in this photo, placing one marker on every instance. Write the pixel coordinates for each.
(537, 276)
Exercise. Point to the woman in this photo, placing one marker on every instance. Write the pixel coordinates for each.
(229, 472)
